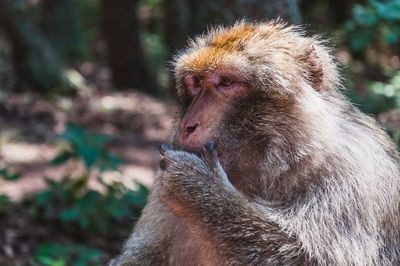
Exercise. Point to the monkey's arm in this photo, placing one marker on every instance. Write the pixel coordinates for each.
(147, 244)
(198, 189)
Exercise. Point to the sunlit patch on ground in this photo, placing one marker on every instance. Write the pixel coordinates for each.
(138, 123)
(143, 175)
(21, 152)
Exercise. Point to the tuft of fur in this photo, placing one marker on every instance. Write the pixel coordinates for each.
(307, 178)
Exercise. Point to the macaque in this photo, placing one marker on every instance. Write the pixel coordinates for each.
(269, 164)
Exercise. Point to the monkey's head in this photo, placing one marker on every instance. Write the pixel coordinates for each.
(253, 88)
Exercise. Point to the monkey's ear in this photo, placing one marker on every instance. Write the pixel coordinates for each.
(314, 68)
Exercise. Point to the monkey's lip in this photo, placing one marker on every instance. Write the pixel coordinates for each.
(222, 157)
(197, 149)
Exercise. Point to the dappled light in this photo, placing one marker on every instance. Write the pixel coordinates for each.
(14, 153)
(87, 96)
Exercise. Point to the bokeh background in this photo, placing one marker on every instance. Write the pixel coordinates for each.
(86, 97)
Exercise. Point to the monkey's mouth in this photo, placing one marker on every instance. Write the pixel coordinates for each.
(199, 150)
(222, 156)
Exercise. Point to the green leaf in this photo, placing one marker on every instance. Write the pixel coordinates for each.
(78, 185)
(68, 215)
(56, 254)
(88, 255)
(75, 135)
(100, 138)
(364, 16)
(89, 155)
(63, 157)
(360, 39)
(391, 36)
(9, 176)
(43, 197)
(4, 202)
(90, 147)
(388, 10)
(50, 261)
(110, 162)
(84, 222)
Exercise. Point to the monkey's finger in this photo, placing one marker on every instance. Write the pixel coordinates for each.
(163, 164)
(168, 155)
(209, 154)
(210, 146)
(164, 148)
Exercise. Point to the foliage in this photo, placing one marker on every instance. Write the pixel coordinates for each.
(151, 3)
(7, 175)
(89, 13)
(89, 147)
(36, 65)
(381, 97)
(390, 90)
(73, 208)
(73, 205)
(378, 20)
(54, 254)
(60, 22)
(5, 201)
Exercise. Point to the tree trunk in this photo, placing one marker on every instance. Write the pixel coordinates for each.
(120, 29)
(36, 66)
(186, 18)
(176, 26)
(60, 22)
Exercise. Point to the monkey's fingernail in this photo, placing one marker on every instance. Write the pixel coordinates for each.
(164, 148)
(163, 165)
(210, 146)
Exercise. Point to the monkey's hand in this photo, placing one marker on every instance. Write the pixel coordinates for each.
(189, 180)
(197, 188)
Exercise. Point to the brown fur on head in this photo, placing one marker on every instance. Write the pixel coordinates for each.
(270, 56)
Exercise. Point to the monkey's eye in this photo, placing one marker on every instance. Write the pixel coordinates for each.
(196, 85)
(226, 83)
(196, 82)
(193, 84)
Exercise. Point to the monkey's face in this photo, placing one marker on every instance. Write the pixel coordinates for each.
(256, 90)
(219, 106)
(208, 99)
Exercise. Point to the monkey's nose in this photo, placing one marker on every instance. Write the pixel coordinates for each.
(190, 128)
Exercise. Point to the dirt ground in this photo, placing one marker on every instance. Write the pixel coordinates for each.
(29, 125)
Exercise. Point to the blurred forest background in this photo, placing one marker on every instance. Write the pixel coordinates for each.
(86, 97)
